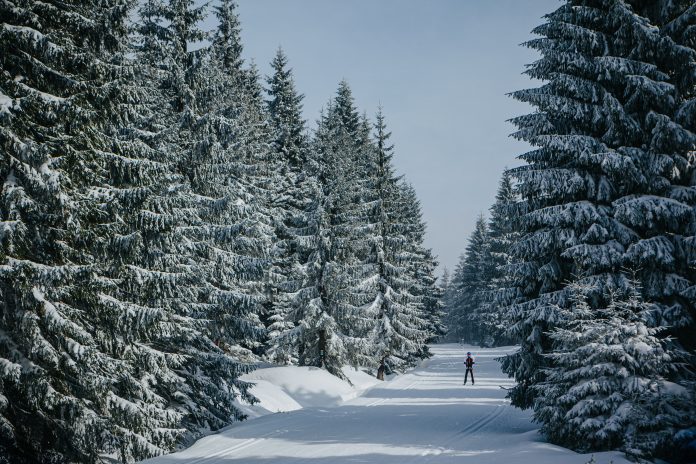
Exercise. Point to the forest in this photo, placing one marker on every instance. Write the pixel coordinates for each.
(587, 259)
(169, 222)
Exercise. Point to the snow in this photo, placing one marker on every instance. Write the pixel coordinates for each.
(6, 103)
(33, 33)
(426, 415)
(282, 389)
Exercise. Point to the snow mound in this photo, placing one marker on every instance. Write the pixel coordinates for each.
(288, 388)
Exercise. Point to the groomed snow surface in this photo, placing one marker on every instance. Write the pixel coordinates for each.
(424, 416)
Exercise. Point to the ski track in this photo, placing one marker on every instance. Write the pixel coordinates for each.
(424, 416)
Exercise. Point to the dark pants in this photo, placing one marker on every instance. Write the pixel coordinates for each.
(466, 376)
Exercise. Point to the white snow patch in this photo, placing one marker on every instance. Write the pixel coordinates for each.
(6, 103)
(288, 388)
(11, 179)
(426, 415)
(33, 33)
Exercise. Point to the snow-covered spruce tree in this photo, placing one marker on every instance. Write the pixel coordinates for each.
(445, 281)
(422, 316)
(394, 340)
(430, 294)
(228, 172)
(608, 386)
(351, 275)
(295, 198)
(502, 233)
(472, 281)
(610, 182)
(452, 298)
(331, 327)
(676, 20)
(59, 64)
(155, 266)
(448, 297)
(317, 338)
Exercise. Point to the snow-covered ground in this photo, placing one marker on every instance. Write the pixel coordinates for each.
(424, 416)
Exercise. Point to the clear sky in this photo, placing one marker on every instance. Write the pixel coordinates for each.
(440, 69)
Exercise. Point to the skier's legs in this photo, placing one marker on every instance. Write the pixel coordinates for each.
(466, 375)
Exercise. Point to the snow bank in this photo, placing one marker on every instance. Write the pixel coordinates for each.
(288, 388)
(423, 416)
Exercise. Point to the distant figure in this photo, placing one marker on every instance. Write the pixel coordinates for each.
(382, 368)
(469, 362)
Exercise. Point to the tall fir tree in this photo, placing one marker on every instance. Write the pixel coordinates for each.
(228, 172)
(332, 327)
(295, 195)
(394, 339)
(424, 317)
(610, 182)
(472, 284)
(183, 381)
(317, 335)
(503, 233)
(63, 365)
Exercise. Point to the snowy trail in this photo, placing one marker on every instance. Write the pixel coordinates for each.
(425, 416)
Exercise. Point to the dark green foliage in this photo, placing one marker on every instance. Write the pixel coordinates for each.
(155, 211)
(609, 186)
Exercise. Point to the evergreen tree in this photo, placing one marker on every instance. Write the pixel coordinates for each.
(61, 368)
(157, 271)
(608, 185)
(468, 320)
(423, 317)
(608, 388)
(395, 338)
(295, 196)
(228, 171)
(445, 280)
(433, 296)
(447, 301)
(503, 234)
(353, 263)
(317, 335)
(329, 311)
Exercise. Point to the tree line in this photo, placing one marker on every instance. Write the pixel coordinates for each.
(166, 222)
(597, 283)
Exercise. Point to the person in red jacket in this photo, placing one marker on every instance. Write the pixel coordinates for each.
(469, 363)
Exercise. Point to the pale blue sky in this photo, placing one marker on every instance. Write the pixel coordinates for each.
(440, 69)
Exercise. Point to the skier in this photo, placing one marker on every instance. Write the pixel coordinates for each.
(469, 363)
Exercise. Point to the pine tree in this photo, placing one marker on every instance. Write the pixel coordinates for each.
(608, 185)
(503, 234)
(472, 285)
(445, 280)
(228, 170)
(317, 335)
(60, 67)
(608, 388)
(448, 298)
(157, 269)
(423, 317)
(394, 339)
(432, 297)
(353, 263)
(331, 325)
(295, 196)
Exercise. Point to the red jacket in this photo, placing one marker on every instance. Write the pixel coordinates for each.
(469, 362)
